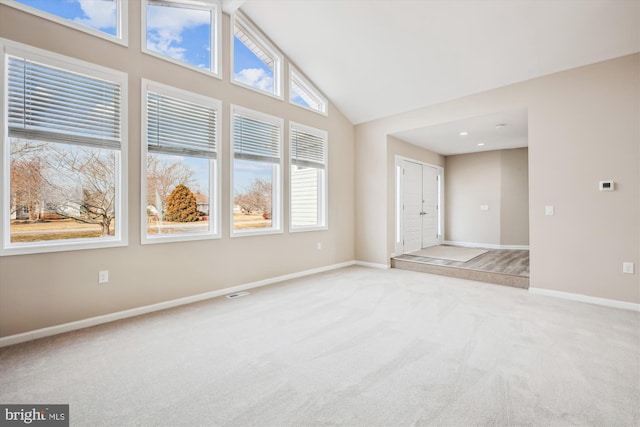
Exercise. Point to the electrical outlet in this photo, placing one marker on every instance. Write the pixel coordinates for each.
(627, 267)
(319, 246)
(103, 276)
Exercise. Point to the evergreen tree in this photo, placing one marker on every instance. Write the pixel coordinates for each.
(181, 205)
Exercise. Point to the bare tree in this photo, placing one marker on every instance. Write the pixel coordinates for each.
(26, 177)
(74, 182)
(26, 186)
(83, 187)
(78, 182)
(257, 198)
(21, 148)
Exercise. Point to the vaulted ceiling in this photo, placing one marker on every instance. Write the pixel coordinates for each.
(376, 58)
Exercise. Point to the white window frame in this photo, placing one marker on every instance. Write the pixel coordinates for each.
(214, 165)
(323, 195)
(8, 47)
(122, 21)
(296, 77)
(264, 44)
(216, 31)
(276, 184)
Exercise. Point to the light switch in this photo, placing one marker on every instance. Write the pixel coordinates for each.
(627, 267)
(548, 210)
(484, 207)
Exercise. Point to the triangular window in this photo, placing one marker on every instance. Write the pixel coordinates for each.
(256, 63)
(304, 94)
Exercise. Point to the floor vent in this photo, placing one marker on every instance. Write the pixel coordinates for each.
(237, 295)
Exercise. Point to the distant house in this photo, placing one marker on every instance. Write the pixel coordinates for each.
(37, 211)
(20, 213)
(202, 202)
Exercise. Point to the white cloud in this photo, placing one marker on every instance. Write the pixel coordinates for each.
(166, 24)
(255, 77)
(99, 14)
(162, 41)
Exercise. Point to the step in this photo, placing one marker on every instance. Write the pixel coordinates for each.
(463, 273)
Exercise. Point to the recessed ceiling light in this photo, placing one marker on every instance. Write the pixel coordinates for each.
(480, 144)
(463, 133)
(501, 125)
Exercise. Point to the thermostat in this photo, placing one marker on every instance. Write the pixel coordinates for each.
(606, 185)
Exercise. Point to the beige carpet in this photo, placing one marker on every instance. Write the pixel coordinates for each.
(352, 347)
(450, 253)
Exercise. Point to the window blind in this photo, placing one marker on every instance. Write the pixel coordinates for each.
(255, 139)
(54, 105)
(307, 149)
(176, 126)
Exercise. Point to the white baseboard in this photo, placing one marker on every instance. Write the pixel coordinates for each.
(584, 298)
(93, 321)
(486, 245)
(372, 265)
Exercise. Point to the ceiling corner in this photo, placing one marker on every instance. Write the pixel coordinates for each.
(231, 6)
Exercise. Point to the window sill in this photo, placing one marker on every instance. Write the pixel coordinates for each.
(58, 246)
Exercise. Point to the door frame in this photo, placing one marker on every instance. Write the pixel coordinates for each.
(398, 202)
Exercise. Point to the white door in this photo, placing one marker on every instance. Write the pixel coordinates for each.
(420, 200)
(430, 206)
(412, 206)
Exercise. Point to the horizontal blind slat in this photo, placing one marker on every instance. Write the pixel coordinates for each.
(186, 126)
(179, 126)
(65, 138)
(307, 149)
(255, 139)
(44, 75)
(51, 104)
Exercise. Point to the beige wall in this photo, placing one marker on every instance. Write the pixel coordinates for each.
(472, 180)
(43, 290)
(496, 179)
(514, 197)
(583, 127)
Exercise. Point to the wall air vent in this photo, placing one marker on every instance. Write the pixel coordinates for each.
(237, 294)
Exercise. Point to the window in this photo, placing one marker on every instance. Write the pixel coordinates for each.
(180, 186)
(308, 148)
(256, 63)
(65, 132)
(186, 32)
(257, 142)
(304, 94)
(102, 18)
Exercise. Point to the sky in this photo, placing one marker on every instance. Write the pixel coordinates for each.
(97, 14)
(182, 34)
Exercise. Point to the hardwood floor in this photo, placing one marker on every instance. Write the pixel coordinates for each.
(499, 266)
